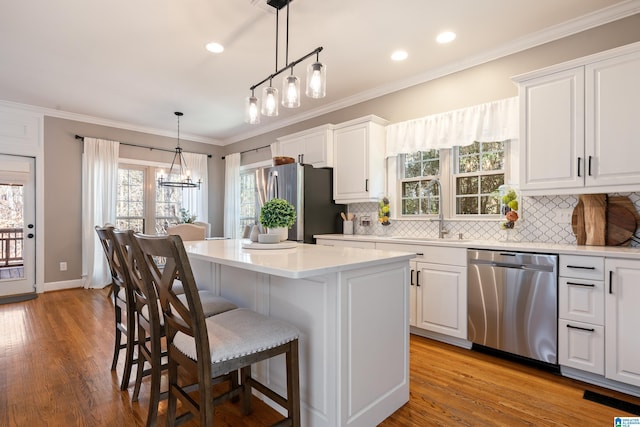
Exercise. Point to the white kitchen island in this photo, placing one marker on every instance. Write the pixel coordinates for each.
(352, 308)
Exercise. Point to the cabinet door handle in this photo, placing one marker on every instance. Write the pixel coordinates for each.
(412, 271)
(589, 166)
(301, 159)
(418, 278)
(582, 329)
(366, 184)
(589, 285)
(610, 281)
(420, 253)
(581, 266)
(579, 162)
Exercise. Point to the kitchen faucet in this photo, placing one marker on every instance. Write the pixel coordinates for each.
(441, 229)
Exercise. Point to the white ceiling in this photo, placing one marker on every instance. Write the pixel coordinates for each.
(133, 63)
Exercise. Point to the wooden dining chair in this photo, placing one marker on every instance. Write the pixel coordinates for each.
(188, 232)
(123, 303)
(208, 348)
(150, 320)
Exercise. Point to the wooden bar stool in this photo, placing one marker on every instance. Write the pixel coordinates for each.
(209, 348)
(123, 303)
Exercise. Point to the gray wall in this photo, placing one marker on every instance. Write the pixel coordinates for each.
(484, 83)
(63, 172)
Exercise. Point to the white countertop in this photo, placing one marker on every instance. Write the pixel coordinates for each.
(305, 260)
(555, 248)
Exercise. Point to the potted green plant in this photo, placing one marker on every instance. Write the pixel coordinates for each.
(278, 215)
(186, 217)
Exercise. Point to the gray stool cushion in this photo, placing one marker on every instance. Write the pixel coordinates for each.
(238, 333)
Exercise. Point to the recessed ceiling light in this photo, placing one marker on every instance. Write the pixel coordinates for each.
(399, 55)
(215, 47)
(446, 37)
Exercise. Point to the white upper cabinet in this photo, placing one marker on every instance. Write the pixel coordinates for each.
(579, 125)
(552, 131)
(359, 164)
(613, 121)
(312, 146)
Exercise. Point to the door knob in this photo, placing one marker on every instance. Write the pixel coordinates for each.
(30, 235)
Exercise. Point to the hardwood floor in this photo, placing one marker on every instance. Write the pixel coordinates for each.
(55, 353)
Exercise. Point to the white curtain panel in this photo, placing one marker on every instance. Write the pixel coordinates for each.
(99, 190)
(493, 121)
(194, 200)
(232, 196)
(275, 149)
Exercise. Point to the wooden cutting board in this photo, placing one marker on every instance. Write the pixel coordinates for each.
(595, 218)
(622, 221)
(616, 228)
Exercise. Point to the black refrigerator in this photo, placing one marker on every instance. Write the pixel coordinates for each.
(310, 190)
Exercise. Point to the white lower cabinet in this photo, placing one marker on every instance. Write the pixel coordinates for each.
(438, 289)
(622, 320)
(581, 313)
(581, 346)
(442, 298)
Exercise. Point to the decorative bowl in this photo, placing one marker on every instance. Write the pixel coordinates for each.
(281, 160)
(268, 238)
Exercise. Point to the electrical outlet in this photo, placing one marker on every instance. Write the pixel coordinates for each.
(563, 216)
(63, 266)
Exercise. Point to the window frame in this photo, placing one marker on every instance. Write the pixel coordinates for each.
(455, 173)
(448, 157)
(250, 168)
(150, 187)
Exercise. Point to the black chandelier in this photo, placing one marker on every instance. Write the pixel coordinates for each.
(316, 86)
(179, 175)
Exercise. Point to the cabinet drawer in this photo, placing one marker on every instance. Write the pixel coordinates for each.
(582, 267)
(433, 254)
(581, 346)
(347, 243)
(581, 300)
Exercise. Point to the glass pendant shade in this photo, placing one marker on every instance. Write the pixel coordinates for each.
(316, 80)
(251, 111)
(291, 92)
(269, 101)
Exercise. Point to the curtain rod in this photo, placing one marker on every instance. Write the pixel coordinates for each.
(250, 150)
(81, 138)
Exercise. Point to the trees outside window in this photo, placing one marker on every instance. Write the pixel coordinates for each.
(470, 178)
(142, 205)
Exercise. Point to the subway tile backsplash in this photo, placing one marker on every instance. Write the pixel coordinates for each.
(537, 222)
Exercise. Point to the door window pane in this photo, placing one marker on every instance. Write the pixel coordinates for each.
(11, 231)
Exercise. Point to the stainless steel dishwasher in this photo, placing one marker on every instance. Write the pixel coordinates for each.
(513, 302)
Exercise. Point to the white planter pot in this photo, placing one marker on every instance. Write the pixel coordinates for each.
(282, 231)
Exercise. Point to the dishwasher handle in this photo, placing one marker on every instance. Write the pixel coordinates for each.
(524, 267)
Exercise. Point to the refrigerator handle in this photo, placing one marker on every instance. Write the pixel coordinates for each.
(272, 186)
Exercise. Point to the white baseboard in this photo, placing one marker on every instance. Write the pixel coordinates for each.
(441, 337)
(65, 284)
(599, 380)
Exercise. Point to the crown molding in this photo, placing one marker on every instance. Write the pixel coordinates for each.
(556, 32)
(60, 114)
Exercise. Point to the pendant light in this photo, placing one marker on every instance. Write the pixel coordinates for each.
(291, 94)
(291, 91)
(252, 112)
(179, 174)
(270, 101)
(316, 80)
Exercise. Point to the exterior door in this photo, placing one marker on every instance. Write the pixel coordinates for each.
(17, 225)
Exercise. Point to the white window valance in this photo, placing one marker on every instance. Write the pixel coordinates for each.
(493, 121)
